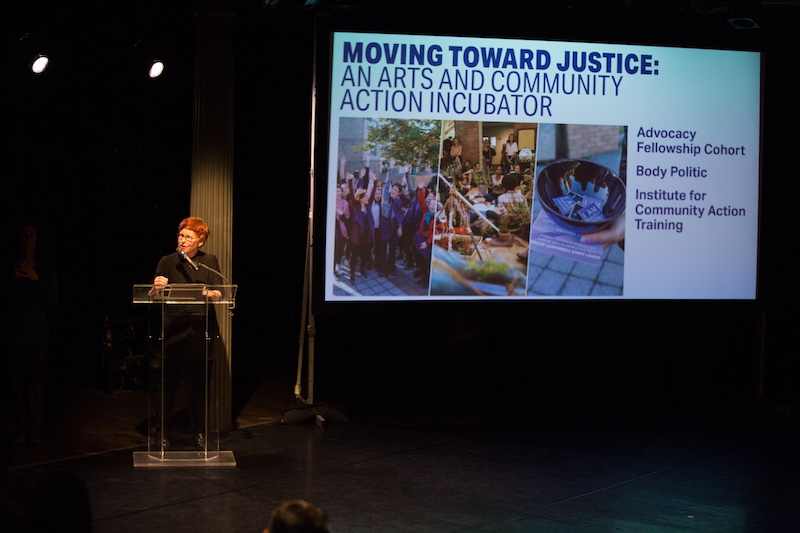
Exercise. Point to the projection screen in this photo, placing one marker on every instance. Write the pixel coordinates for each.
(483, 169)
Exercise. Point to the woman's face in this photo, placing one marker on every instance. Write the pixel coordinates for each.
(27, 239)
(189, 242)
(511, 138)
(338, 193)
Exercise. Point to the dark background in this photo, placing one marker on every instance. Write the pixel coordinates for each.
(98, 155)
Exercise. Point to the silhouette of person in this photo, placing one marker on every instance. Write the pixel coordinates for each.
(29, 292)
(298, 516)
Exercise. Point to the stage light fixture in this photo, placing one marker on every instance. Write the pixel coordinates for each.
(156, 68)
(40, 64)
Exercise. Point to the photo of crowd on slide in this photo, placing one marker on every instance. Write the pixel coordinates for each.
(384, 206)
(577, 238)
(483, 222)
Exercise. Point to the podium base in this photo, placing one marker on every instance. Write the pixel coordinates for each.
(157, 459)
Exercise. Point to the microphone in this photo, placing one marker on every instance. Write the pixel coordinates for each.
(187, 258)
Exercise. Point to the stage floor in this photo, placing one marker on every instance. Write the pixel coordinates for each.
(735, 471)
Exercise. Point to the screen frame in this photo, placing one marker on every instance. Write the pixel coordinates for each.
(325, 29)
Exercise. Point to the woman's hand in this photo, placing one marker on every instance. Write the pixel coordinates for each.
(26, 270)
(158, 284)
(213, 294)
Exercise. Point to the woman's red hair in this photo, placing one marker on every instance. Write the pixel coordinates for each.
(196, 225)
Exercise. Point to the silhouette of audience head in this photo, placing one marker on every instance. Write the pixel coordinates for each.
(298, 516)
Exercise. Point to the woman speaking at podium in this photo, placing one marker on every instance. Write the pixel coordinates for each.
(185, 328)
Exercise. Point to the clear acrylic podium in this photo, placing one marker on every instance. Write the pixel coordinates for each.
(193, 307)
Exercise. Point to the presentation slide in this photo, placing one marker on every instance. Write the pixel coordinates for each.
(468, 169)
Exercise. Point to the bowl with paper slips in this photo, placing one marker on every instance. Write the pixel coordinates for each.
(580, 195)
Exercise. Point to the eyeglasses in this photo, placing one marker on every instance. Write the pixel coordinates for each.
(186, 238)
